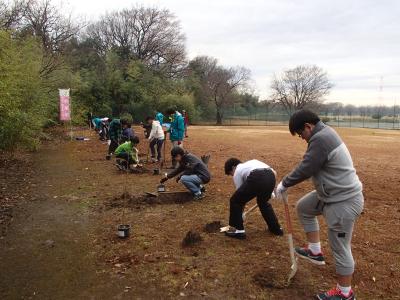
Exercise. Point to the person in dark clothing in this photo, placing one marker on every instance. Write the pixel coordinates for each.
(252, 179)
(114, 136)
(192, 172)
(127, 131)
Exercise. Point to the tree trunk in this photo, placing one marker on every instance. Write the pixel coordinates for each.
(219, 117)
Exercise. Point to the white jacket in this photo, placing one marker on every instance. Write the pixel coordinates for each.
(156, 131)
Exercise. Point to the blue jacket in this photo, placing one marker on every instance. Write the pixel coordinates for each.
(97, 123)
(160, 117)
(177, 129)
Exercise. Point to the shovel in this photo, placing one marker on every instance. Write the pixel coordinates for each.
(293, 268)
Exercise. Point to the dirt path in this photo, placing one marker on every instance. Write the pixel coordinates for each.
(47, 253)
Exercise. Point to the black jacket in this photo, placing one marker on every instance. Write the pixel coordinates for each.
(191, 165)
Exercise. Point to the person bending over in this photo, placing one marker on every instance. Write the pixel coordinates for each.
(156, 138)
(337, 196)
(114, 136)
(252, 179)
(192, 172)
(127, 131)
(127, 154)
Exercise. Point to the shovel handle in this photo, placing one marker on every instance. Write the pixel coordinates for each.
(287, 213)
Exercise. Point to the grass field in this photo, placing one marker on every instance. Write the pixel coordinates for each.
(78, 207)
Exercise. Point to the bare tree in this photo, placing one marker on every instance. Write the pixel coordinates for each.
(150, 35)
(219, 83)
(46, 22)
(11, 13)
(300, 87)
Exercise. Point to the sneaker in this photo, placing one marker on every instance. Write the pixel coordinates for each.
(153, 160)
(236, 234)
(120, 167)
(203, 189)
(317, 259)
(277, 232)
(335, 294)
(198, 197)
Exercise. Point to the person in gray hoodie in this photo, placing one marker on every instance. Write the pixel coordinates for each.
(337, 196)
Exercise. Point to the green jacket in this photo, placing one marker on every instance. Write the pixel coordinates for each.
(115, 130)
(127, 147)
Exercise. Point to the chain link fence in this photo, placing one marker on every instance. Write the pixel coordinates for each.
(282, 119)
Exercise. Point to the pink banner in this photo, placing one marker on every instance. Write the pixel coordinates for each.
(65, 108)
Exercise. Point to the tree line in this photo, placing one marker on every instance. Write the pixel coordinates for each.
(129, 61)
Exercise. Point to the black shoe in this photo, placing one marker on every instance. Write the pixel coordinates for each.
(236, 234)
(317, 259)
(203, 189)
(120, 167)
(277, 232)
(198, 197)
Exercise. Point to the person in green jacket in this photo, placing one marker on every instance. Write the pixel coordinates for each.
(176, 130)
(127, 154)
(114, 136)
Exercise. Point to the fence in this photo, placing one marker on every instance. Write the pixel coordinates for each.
(282, 119)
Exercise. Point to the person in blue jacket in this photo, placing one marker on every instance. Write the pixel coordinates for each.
(160, 117)
(176, 131)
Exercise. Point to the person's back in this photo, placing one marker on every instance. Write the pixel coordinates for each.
(115, 129)
(194, 165)
(177, 128)
(127, 134)
(156, 131)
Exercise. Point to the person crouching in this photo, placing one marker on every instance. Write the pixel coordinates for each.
(192, 172)
(127, 154)
(252, 179)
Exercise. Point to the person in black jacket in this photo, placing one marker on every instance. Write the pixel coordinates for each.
(192, 172)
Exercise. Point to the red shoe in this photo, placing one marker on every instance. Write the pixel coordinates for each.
(336, 294)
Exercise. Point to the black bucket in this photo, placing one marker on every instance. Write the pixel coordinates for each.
(124, 231)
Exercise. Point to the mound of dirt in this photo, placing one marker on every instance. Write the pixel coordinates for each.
(268, 279)
(191, 238)
(213, 227)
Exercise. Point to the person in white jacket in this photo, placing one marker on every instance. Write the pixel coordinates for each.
(156, 138)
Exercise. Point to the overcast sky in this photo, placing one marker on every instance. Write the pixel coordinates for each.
(356, 41)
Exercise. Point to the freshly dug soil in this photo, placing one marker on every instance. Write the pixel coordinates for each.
(213, 227)
(191, 238)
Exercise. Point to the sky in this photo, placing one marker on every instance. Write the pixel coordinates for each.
(357, 42)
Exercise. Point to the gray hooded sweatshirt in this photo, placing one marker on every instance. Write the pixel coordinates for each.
(328, 162)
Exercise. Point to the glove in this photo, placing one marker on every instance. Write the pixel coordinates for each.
(178, 178)
(163, 179)
(280, 189)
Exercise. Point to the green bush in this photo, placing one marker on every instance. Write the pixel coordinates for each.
(24, 98)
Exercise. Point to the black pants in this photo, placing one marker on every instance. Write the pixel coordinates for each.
(127, 159)
(159, 143)
(113, 145)
(260, 183)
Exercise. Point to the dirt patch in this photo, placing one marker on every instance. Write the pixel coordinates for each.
(271, 280)
(135, 201)
(213, 227)
(192, 238)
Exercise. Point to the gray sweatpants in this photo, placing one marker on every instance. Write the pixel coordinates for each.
(340, 218)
